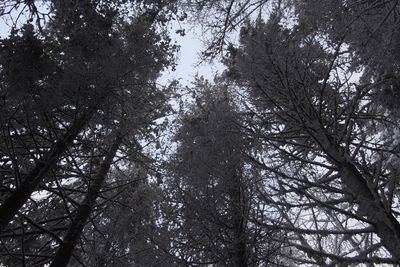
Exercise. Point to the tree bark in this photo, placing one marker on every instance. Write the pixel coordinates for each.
(66, 249)
(31, 181)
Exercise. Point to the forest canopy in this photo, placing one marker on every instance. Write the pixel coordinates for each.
(289, 156)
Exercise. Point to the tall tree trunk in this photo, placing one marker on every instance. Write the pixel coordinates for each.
(238, 205)
(65, 250)
(31, 180)
(370, 205)
(387, 227)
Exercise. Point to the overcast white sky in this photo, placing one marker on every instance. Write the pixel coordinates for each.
(189, 58)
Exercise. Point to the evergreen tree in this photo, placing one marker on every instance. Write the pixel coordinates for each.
(212, 188)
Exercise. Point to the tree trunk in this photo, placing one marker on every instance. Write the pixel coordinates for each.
(387, 227)
(238, 205)
(31, 181)
(65, 250)
(370, 205)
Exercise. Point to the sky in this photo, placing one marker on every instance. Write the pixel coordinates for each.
(189, 58)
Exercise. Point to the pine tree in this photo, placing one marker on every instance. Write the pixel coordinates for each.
(212, 187)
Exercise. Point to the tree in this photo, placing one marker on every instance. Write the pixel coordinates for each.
(212, 187)
(88, 56)
(322, 130)
(89, 75)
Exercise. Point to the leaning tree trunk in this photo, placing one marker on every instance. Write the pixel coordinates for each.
(32, 180)
(65, 250)
(370, 204)
(387, 227)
